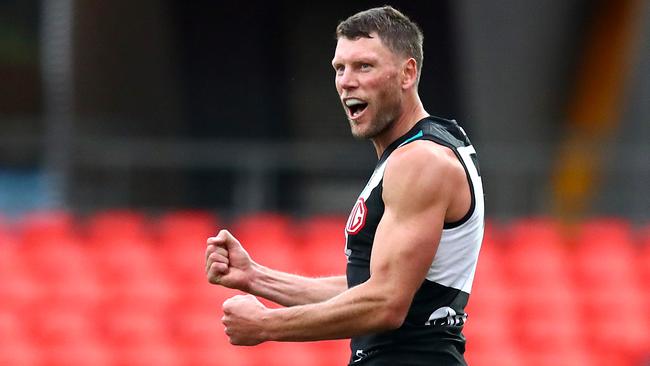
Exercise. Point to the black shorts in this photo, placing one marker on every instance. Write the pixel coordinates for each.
(445, 356)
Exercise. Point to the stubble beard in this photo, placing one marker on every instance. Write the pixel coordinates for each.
(381, 122)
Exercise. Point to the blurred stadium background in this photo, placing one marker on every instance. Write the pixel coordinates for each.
(132, 130)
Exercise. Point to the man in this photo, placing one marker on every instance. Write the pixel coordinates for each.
(412, 239)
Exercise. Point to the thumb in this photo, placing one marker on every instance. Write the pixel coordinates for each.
(228, 239)
(224, 239)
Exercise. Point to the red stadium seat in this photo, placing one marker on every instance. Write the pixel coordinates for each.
(194, 325)
(502, 355)
(12, 327)
(543, 335)
(117, 227)
(269, 239)
(20, 352)
(122, 262)
(326, 353)
(604, 255)
(490, 303)
(153, 352)
(58, 262)
(82, 293)
(80, 352)
(268, 354)
(18, 290)
(490, 318)
(566, 356)
(59, 326)
(614, 320)
(252, 228)
(186, 227)
(7, 236)
(321, 246)
(491, 260)
(643, 257)
(41, 228)
(537, 241)
(184, 264)
(216, 354)
(202, 301)
(129, 326)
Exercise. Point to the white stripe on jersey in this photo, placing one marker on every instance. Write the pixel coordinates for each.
(455, 262)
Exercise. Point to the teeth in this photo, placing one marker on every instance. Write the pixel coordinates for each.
(353, 101)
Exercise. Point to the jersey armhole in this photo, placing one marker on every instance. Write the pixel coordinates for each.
(472, 207)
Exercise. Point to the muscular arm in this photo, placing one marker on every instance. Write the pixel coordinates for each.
(228, 264)
(416, 196)
(289, 289)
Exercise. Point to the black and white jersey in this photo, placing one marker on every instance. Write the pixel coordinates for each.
(432, 329)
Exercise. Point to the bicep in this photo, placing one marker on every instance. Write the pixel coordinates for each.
(404, 248)
(416, 197)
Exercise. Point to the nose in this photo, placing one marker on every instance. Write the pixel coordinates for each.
(347, 80)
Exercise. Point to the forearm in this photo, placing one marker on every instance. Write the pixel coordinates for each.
(289, 290)
(360, 310)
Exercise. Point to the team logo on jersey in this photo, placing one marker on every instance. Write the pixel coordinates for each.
(357, 218)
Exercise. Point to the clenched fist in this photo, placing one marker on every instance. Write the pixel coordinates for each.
(227, 263)
(243, 316)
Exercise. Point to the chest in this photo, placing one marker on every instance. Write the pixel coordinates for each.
(364, 218)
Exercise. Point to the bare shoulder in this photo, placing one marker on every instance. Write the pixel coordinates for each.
(424, 168)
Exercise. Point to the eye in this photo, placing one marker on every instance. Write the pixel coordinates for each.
(365, 67)
(339, 69)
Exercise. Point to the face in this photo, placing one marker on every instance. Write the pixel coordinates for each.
(368, 83)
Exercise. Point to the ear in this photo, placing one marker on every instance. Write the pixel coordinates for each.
(409, 73)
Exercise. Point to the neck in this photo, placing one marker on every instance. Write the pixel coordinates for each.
(407, 119)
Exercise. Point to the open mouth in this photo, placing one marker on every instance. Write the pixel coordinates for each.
(355, 106)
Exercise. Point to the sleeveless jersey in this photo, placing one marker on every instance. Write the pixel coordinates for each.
(433, 325)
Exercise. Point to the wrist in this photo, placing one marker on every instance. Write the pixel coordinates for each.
(267, 333)
(255, 276)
